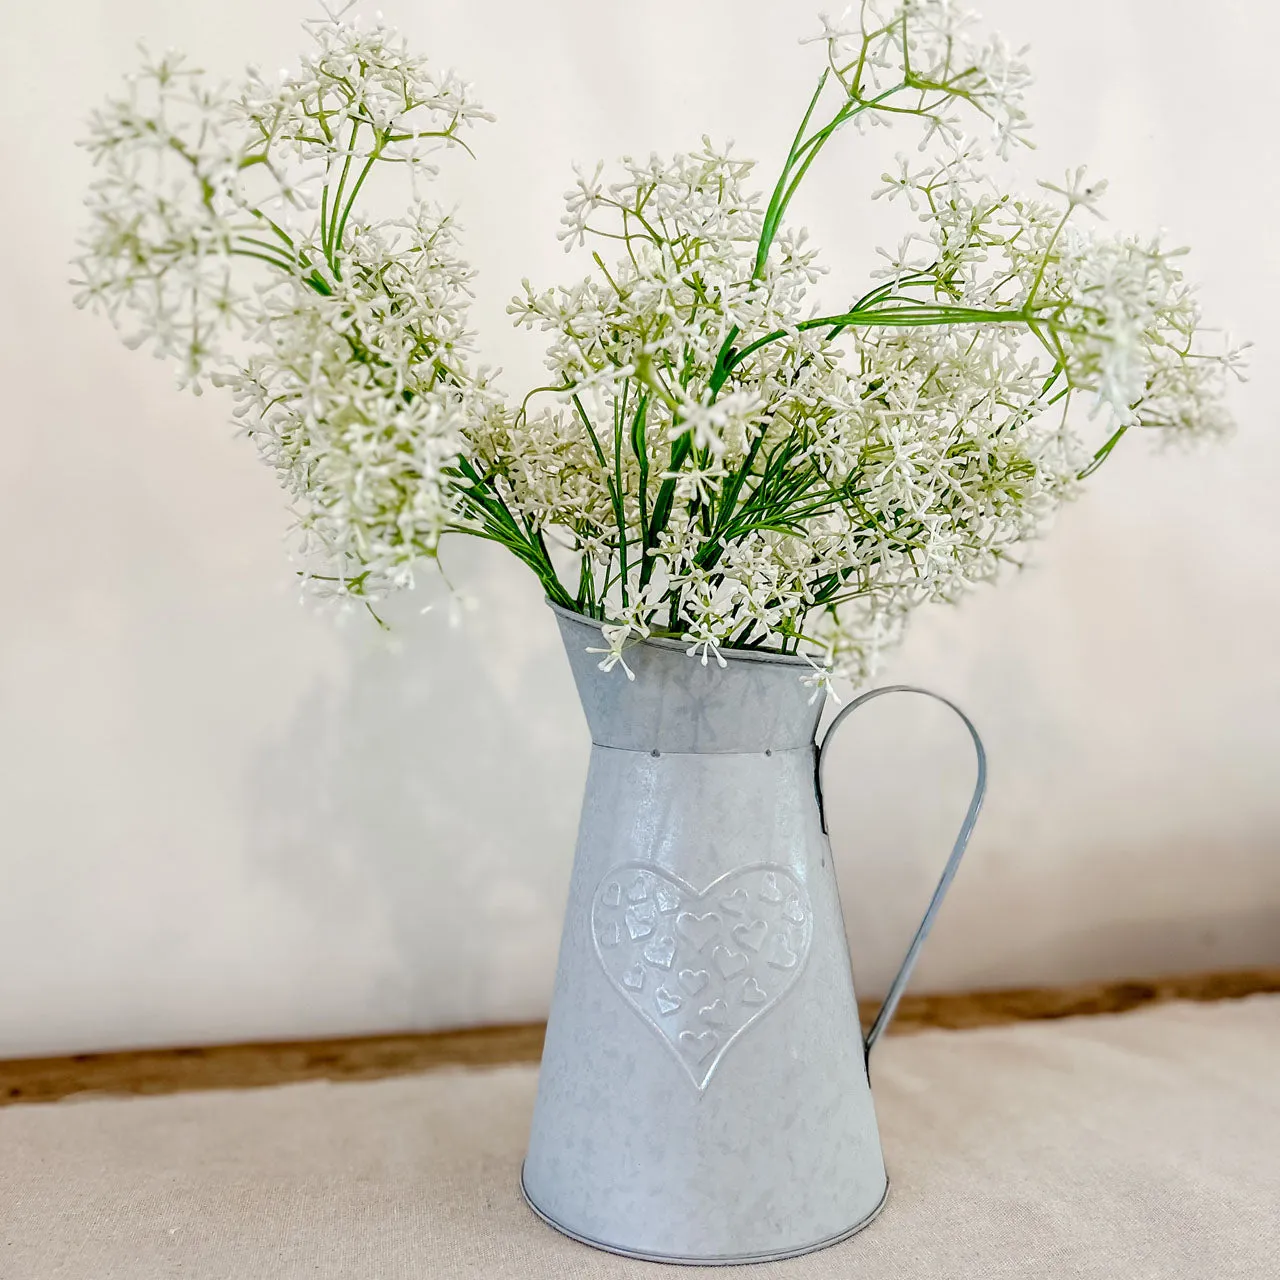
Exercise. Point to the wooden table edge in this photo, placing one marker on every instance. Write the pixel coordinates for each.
(247, 1066)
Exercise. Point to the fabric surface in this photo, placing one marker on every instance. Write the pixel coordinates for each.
(1137, 1147)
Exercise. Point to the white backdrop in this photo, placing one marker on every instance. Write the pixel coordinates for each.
(223, 817)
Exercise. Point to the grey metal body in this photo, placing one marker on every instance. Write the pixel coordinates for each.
(704, 1093)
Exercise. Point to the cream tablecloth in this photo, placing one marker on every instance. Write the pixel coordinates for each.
(1144, 1146)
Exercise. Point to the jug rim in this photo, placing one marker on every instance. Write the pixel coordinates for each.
(663, 642)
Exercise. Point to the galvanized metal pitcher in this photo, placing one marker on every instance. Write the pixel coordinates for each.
(704, 1094)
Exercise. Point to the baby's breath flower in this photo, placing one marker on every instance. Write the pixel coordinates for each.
(807, 482)
(1078, 193)
(725, 460)
(224, 230)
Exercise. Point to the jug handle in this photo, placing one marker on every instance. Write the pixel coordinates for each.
(898, 985)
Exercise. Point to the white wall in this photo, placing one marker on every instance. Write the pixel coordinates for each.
(223, 817)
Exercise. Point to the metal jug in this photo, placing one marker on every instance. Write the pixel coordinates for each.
(704, 1093)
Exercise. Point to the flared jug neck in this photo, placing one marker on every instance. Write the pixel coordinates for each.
(675, 702)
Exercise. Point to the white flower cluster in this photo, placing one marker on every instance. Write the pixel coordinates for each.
(224, 226)
(923, 58)
(357, 391)
(736, 467)
(717, 457)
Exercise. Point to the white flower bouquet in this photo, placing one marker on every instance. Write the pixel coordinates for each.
(716, 455)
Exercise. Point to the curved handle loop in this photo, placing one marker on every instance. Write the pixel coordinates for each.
(898, 985)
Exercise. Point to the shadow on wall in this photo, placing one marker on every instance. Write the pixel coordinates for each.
(1095, 858)
(1196, 942)
(420, 815)
(429, 805)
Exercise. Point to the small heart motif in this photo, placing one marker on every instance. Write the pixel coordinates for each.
(639, 921)
(698, 930)
(793, 911)
(715, 1013)
(780, 954)
(699, 1046)
(667, 898)
(750, 935)
(769, 891)
(661, 951)
(739, 945)
(666, 1001)
(693, 980)
(728, 962)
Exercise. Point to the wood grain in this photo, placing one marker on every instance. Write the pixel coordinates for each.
(248, 1066)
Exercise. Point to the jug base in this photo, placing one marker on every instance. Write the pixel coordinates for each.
(705, 1260)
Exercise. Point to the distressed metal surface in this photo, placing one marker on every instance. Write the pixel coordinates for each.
(740, 1125)
(704, 1094)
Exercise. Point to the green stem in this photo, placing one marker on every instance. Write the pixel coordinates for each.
(330, 251)
(614, 485)
(899, 316)
(619, 418)
(1104, 453)
(355, 191)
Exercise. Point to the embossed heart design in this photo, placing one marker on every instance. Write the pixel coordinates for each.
(701, 966)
